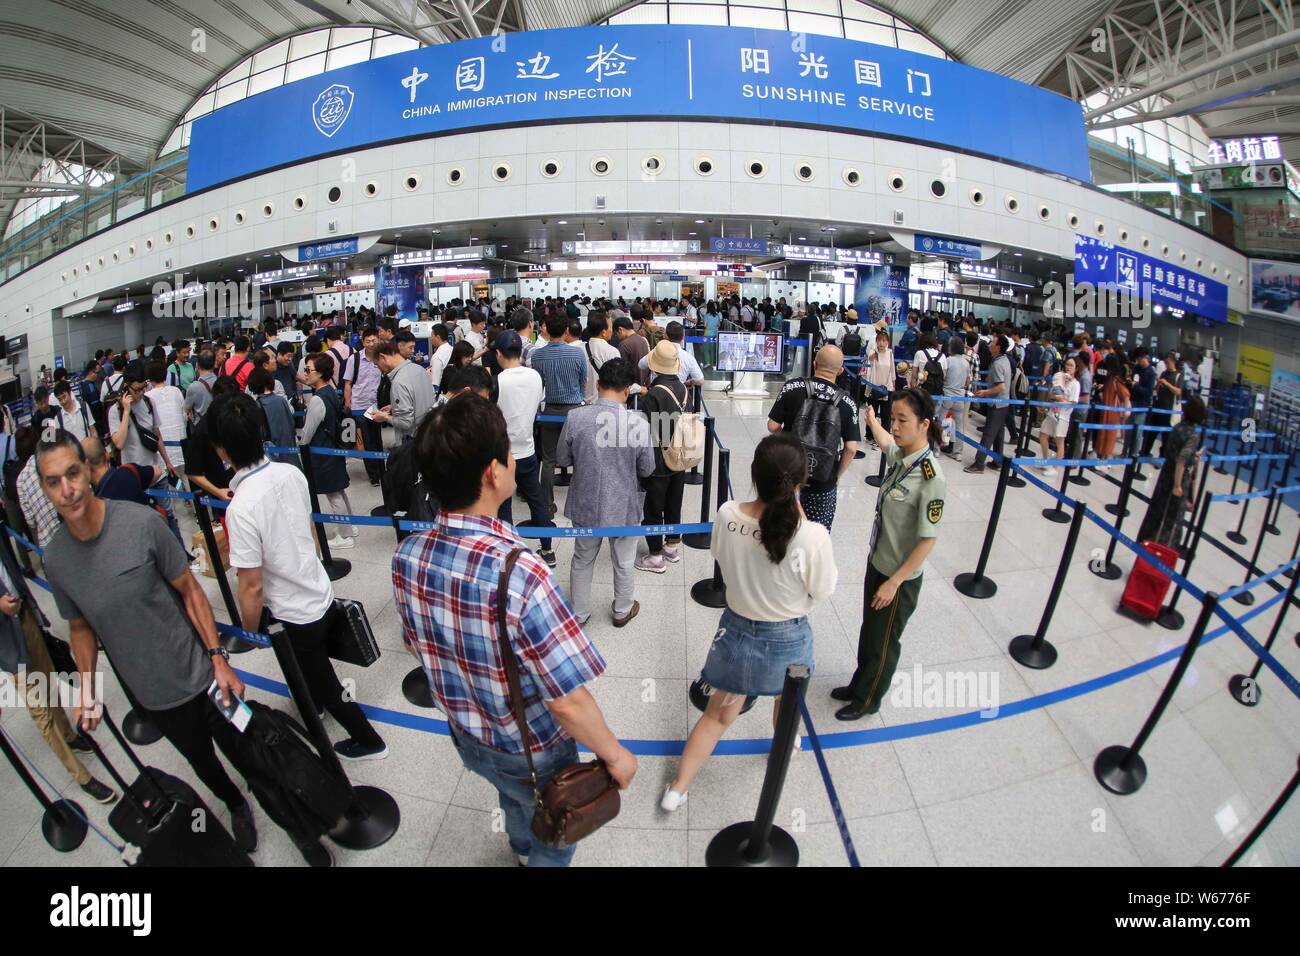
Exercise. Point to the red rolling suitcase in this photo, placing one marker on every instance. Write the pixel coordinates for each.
(166, 818)
(1144, 594)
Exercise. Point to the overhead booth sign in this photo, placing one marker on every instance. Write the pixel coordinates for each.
(1174, 286)
(651, 71)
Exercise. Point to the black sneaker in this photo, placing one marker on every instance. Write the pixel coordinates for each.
(80, 744)
(548, 556)
(316, 854)
(243, 828)
(974, 469)
(98, 791)
(842, 693)
(354, 750)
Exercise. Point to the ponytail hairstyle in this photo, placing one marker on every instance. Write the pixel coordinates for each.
(922, 406)
(780, 467)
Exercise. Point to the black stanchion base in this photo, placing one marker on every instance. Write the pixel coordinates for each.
(1114, 509)
(336, 568)
(859, 455)
(379, 512)
(1057, 515)
(1245, 597)
(1170, 619)
(1272, 529)
(1081, 480)
(700, 692)
(1244, 690)
(415, 688)
(1107, 571)
(728, 848)
(371, 822)
(872, 480)
(562, 479)
(703, 592)
(1022, 650)
(693, 478)
(1112, 775)
(1235, 537)
(975, 586)
(140, 730)
(1015, 481)
(700, 542)
(64, 826)
(1140, 476)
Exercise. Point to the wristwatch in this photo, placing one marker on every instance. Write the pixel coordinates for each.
(219, 651)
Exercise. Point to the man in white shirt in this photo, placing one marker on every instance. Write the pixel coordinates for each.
(168, 407)
(520, 396)
(114, 382)
(598, 349)
(70, 413)
(440, 353)
(272, 548)
(339, 350)
(477, 325)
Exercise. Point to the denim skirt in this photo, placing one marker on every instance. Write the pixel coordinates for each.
(750, 657)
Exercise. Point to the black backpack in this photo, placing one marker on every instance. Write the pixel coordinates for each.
(817, 426)
(852, 344)
(291, 782)
(404, 489)
(933, 373)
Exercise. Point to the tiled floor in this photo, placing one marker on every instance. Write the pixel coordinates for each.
(1018, 789)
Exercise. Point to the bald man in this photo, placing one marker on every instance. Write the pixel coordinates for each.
(825, 419)
(127, 483)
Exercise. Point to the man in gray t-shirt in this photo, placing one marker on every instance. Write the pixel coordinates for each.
(995, 416)
(121, 579)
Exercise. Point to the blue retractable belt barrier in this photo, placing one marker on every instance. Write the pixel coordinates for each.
(24, 542)
(1235, 625)
(841, 824)
(1243, 588)
(253, 637)
(1195, 592)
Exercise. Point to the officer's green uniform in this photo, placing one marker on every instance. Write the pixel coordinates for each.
(909, 508)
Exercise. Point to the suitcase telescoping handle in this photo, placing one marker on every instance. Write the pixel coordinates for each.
(163, 801)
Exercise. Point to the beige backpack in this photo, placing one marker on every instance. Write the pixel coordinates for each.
(685, 449)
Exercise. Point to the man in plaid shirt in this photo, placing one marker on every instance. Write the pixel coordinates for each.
(445, 582)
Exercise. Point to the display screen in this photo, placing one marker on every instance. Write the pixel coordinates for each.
(751, 352)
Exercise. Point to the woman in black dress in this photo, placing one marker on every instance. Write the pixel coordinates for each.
(1173, 491)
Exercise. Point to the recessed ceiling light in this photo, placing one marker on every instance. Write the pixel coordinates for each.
(504, 245)
(692, 233)
(699, 222)
(473, 238)
(1017, 254)
(563, 222)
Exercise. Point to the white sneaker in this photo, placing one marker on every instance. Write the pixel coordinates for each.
(672, 800)
(337, 542)
(672, 554)
(1049, 472)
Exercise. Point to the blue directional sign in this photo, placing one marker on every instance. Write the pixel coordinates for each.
(327, 250)
(1155, 280)
(738, 246)
(642, 71)
(950, 248)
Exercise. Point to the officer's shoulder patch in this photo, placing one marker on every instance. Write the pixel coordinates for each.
(934, 511)
(927, 470)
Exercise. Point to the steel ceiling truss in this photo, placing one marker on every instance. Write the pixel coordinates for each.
(1157, 54)
(28, 144)
(440, 21)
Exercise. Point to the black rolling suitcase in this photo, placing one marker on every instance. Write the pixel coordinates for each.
(166, 818)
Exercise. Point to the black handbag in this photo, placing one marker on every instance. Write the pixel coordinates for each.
(350, 638)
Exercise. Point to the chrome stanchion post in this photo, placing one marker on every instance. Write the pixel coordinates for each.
(1121, 769)
(761, 842)
(1033, 650)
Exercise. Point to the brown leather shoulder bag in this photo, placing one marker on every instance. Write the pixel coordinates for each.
(580, 798)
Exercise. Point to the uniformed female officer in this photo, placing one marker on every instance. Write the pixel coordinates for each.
(908, 510)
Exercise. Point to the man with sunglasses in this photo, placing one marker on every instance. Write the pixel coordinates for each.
(131, 423)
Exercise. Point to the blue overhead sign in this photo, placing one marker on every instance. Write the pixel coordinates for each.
(327, 250)
(1102, 263)
(951, 248)
(620, 72)
(745, 247)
